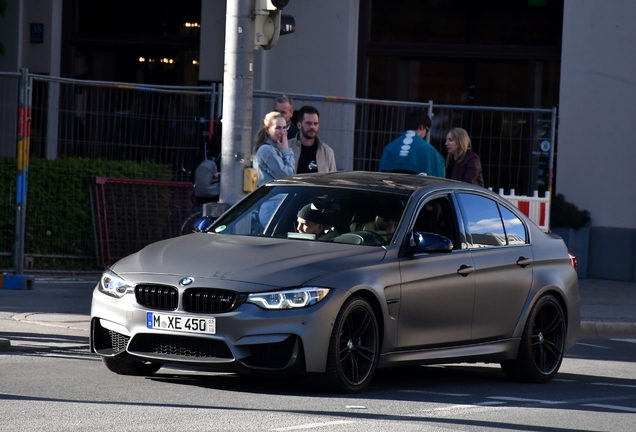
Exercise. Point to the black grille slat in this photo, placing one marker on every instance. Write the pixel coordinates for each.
(180, 346)
(205, 300)
(161, 297)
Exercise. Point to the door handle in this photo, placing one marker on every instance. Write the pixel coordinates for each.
(523, 261)
(465, 270)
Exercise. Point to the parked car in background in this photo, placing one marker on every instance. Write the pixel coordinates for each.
(416, 270)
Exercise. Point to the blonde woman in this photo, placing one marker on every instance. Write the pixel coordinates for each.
(274, 159)
(462, 163)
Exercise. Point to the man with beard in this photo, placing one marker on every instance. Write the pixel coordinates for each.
(312, 154)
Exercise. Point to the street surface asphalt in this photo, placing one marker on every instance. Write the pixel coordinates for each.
(56, 313)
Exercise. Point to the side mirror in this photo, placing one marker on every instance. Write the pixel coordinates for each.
(202, 225)
(420, 242)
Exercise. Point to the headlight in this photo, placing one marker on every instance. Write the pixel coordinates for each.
(113, 285)
(291, 299)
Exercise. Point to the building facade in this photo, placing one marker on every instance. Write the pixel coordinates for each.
(574, 54)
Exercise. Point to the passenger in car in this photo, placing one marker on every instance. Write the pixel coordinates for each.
(311, 220)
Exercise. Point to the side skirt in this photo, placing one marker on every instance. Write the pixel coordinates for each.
(490, 352)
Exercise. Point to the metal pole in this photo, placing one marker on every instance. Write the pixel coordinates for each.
(238, 84)
(555, 119)
(24, 132)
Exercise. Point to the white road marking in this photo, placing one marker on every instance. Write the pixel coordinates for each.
(624, 340)
(515, 399)
(593, 346)
(453, 407)
(356, 407)
(612, 407)
(435, 393)
(314, 425)
(615, 385)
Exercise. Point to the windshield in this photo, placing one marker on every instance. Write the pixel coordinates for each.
(339, 215)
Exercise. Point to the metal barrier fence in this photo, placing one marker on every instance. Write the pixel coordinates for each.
(115, 121)
(162, 209)
(83, 129)
(515, 145)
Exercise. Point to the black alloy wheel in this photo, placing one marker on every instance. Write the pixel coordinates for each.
(542, 344)
(354, 347)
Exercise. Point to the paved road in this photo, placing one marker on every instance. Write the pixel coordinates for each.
(57, 311)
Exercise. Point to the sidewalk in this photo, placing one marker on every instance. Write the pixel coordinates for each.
(56, 313)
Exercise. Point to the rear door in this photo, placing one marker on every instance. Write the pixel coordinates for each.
(502, 257)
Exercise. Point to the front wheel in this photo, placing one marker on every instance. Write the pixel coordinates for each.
(542, 344)
(126, 366)
(353, 348)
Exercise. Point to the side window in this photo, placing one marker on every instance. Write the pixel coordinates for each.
(515, 229)
(484, 227)
(436, 216)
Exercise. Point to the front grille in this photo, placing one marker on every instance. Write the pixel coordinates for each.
(211, 300)
(118, 341)
(162, 297)
(180, 346)
(105, 341)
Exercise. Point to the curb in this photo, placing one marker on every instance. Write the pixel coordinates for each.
(5, 344)
(598, 329)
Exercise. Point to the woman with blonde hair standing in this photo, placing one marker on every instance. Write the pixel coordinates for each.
(274, 159)
(462, 163)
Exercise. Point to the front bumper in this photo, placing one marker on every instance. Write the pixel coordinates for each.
(246, 338)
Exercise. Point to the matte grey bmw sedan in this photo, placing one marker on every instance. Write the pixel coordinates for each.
(333, 275)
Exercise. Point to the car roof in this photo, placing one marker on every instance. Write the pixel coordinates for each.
(366, 179)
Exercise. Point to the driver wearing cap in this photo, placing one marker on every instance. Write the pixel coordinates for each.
(311, 220)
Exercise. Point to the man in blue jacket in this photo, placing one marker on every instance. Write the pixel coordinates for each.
(411, 153)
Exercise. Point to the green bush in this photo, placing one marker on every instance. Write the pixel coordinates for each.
(59, 215)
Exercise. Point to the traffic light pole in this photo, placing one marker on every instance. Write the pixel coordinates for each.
(238, 85)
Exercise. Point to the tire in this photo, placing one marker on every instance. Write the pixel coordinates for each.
(542, 344)
(126, 366)
(353, 348)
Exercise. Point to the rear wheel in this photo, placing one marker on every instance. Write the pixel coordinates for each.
(542, 344)
(354, 347)
(127, 366)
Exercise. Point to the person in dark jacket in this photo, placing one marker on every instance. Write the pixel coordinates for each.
(411, 153)
(462, 163)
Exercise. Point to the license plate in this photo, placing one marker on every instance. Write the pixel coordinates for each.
(181, 323)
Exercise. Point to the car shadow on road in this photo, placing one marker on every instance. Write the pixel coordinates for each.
(478, 387)
(40, 341)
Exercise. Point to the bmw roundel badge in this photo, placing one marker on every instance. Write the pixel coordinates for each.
(186, 281)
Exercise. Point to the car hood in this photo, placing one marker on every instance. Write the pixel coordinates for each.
(266, 261)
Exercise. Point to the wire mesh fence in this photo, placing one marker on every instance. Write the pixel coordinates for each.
(511, 142)
(100, 120)
(80, 130)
